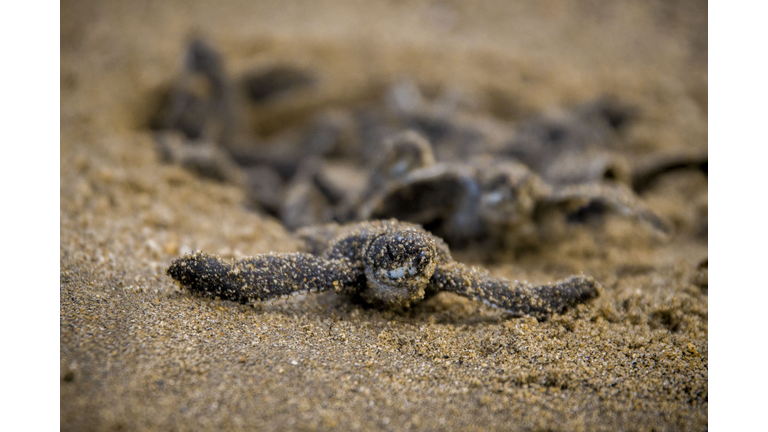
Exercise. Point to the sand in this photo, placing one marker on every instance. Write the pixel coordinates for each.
(137, 353)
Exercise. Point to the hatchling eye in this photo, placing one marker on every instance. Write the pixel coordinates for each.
(391, 253)
(419, 259)
(499, 183)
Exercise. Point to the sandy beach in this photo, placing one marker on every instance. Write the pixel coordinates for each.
(139, 353)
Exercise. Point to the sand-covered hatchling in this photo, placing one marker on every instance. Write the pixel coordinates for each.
(485, 198)
(389, 264)
(440, 161)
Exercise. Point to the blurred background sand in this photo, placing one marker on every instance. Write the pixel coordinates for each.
(138, 354)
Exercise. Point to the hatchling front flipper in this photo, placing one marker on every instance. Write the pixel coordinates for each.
(617, 197)
(262, 277)
(514, 297)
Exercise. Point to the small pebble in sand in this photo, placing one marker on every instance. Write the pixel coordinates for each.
(389, 264)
